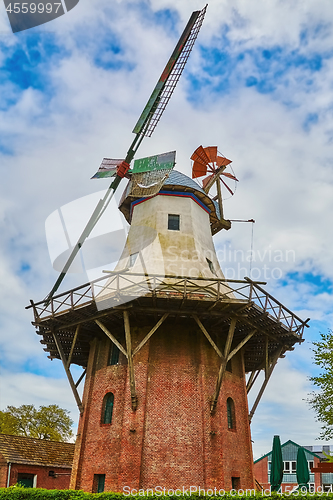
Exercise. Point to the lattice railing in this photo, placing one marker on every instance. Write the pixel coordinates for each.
(123, 287)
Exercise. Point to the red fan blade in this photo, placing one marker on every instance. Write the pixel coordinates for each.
(211, 152)
(230, 176)
(206, 180)
(228, 188)
(221, 161)
(198, 170)
(200, 156)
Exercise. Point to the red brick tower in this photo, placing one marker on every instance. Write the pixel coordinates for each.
(165, 343)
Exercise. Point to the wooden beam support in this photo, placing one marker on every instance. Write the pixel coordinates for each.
(240, 345)
(252, 379)
(152, 331)
(219, 195)
(263, 387)
(134, 398)
(266, 358)
(80, 378)
(73, 345)
(68, 373)
(223, 364)
(206, 334)
(111, 337)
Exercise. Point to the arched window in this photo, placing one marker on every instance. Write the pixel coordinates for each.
(107, 408)
(231, 414)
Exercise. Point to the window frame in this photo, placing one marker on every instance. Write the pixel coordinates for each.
(107, 414)
(231, 414)
(172, 222)
(98, 483)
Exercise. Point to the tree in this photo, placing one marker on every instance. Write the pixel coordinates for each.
(322, 401)
(48, 422)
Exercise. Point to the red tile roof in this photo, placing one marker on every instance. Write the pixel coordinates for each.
(30, 451)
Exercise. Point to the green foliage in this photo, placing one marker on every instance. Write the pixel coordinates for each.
(48, 422)
(322, 401)
(18, 493)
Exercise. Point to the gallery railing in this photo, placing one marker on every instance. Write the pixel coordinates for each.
(133, 285)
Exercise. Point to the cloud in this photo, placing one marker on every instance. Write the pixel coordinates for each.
(258, 85)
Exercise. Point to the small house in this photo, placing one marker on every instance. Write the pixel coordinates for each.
(35, 462)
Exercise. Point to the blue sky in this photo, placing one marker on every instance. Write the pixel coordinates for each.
(258, 85)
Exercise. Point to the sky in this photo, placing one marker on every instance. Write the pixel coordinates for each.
(258, 85)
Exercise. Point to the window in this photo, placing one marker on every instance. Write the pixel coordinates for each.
(173, 222)
(99, 483)
(231, 414)
(311, 464)
(114, 355)
(211, 266)
(27, 480)
(107, 408)
(133, 258)
(289, 467)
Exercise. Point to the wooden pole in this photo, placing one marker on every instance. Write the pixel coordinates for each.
(263, 387)
(223, 364)
(152, 331)
(111, 337)
(68, 373)
(134, 398)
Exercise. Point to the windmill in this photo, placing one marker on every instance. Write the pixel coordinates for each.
(144, 127)
(208, 161)
(165, 359)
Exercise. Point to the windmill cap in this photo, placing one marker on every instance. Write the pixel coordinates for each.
(179, 182)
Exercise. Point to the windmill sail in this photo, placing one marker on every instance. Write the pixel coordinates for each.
(170, 76)
(144, 127)
(108, 168)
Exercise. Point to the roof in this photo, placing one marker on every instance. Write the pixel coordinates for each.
(176, 181)
(287, 443)
(30, 451)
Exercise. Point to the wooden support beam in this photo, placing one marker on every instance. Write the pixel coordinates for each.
(240, 345)
(68, 373)
(219, 195)
(263, 387)
(152, 331)
(266, 358)
(134, 398)
(206, 334)
(111, 337)
(223, 364)
(73, 345)
(80, 378)
(253, 377)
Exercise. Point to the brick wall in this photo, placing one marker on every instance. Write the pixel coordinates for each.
(60, 481)
(261, 471)
(171, 440)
